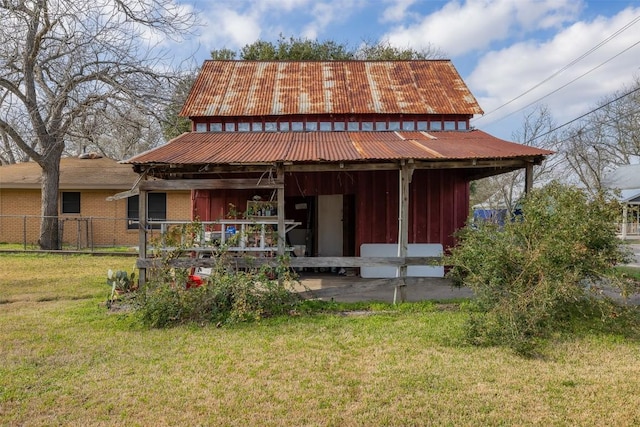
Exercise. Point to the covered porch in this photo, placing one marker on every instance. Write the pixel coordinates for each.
(405, 189)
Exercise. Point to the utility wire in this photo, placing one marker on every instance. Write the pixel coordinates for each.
(584, 55)
(585, 114)
(567, 84)
(594, 126)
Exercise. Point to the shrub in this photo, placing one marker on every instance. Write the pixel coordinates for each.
(172, 296)
(534, 274)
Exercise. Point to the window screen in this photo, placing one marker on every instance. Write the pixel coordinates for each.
(71, 202)
(156, 209)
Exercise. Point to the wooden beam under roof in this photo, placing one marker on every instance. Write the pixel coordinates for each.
(186, 171)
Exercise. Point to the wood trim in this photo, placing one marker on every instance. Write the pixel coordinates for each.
(211, 184)
(186, 171)
(310, 262)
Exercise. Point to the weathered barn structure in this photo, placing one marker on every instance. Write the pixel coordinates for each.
(354, 153)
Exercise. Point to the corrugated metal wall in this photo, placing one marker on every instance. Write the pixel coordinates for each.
(439, 202)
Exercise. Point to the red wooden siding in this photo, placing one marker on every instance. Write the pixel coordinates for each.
(438, 202)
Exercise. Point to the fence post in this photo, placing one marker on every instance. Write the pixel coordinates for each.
(90, 233)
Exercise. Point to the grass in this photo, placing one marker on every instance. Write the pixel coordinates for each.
(632, 272)
(66, 247)
(65, 360)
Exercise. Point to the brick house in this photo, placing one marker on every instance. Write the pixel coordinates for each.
(86, 217)
(358, 152)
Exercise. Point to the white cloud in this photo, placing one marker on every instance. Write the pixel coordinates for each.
(224, 27)
(327, 13)
(502, 75)
(460, 28)
(397, 11)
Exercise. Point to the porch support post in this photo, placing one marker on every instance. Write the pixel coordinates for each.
(625, 212)
(281, 229)
(142, 234)
(406, 172)
(528, 178)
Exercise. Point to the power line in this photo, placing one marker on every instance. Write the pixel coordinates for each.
(585, 114)
(584, 55)
(608, 123)
(568, 83)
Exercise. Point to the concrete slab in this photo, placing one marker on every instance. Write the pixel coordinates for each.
(356, 289)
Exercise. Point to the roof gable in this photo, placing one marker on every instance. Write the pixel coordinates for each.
(273, 88)
(624, 177)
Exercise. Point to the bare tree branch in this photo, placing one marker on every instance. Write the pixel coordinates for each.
(66, 63)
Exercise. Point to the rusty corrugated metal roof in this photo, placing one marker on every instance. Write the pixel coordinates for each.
(268, 147)
(265, 88)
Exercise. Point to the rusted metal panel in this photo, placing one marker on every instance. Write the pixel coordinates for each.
(249, 88)
(250, 147)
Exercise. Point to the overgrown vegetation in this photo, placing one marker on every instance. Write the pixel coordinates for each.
(537, 274)
(226, 294)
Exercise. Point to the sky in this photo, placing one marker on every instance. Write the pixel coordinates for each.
(514, 55)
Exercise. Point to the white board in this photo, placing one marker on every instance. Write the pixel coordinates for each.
(330, 225)
(391, 250)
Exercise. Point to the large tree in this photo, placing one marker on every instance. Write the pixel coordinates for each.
(605, 139)
(507, 189)
(66, 65)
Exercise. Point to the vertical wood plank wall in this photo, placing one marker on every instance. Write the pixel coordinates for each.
(438, 206)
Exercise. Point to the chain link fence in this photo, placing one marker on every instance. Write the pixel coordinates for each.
(77, 233)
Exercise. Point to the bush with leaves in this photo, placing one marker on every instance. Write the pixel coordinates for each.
(533, 275)
(171, 297)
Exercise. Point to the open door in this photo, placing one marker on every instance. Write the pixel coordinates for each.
(349, 225)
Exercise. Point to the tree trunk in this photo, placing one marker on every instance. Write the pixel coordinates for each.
(49, 234)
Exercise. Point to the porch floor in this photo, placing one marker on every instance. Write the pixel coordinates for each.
(327, 286)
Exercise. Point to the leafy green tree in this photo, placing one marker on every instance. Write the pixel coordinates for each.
(223, 54)
(532, 275)
(294, 49)
(384, 51)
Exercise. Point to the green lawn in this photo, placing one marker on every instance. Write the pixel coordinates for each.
(64, 360)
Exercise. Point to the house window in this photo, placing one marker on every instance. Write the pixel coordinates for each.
(338, 126)
(284, 126)
(325, 126)
(449, 125)
(201, 127)
(216, 127)
(297, 126)
(156, 209)
(270, 127)
(71, 202)
(243, 127)
(422, 125)
(353, 126)
(367, 126)
(381, 125)
(394, 125)
(408, 125)
(312, 126)
(462, 125)
(435, 126)
(229, 127)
